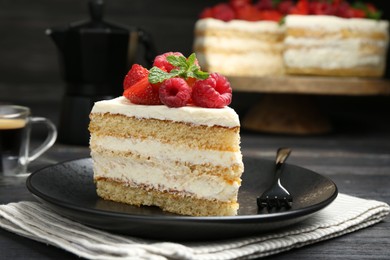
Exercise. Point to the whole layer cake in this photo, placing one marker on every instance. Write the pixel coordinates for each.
(264, 37)
(239, 48)
(181, 157)
(334, 46)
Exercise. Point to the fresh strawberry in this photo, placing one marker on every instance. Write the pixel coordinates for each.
(206, 13)
(142, 93)
(358, 13)
(161, 61)
(191, 81)
(136, 73)
(271, 15)
(248, 13)
(213, 92)
(175, 92)
(302, 7)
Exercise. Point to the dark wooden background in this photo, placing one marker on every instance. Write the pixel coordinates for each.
(29, 61)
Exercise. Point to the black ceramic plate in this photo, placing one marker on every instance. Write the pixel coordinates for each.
(68, 188)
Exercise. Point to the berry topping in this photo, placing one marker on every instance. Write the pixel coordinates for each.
(271, 15)
(302, 8)
(213, 92)
(223, 12)
(175, 92)
(285, 6)
(265, 5)
(161, 61)
(239, 3)
(135, 74)
(274, 10)
(248, 13)
(321, 8)
(142, 93)
(176, 81)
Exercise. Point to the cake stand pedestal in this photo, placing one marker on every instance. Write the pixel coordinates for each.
(288, 106)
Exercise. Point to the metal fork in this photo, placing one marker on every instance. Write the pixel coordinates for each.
(277, 196)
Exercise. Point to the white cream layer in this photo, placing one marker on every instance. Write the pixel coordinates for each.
(333, 53)
(333, 23)
(328, 58)
(225, 117)
(152, 148)
(232, 45)
(241, 25)
(334, 42)
(227, 64)
(169, 177)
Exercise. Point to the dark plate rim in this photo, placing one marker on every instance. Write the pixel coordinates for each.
(270, 217)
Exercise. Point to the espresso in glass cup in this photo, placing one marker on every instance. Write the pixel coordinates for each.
(15, 128)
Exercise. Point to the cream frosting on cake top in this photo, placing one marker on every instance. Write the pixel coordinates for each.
(225, 117)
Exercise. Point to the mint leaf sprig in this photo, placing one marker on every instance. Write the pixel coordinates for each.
(370, 11)
(185, 68)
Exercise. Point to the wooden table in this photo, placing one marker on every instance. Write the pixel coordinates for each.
(357, 160)
(288, 106)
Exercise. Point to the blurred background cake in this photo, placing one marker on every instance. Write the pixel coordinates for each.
(240, 48)
(331, 38)
(353, 44)
(240, 38)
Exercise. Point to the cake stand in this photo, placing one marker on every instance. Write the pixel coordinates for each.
(288, 106)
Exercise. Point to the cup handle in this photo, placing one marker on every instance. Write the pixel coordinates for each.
(49, 141)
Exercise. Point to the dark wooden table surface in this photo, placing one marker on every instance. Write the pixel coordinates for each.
(356, 156)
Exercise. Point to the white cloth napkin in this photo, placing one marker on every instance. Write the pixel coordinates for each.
(36, 221)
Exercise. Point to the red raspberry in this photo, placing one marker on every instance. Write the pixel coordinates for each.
(343, 10)
(135, 74)
(142, 93)
(264, 5)
(239, 3)
(161, 61)
(285, 6)
(223, 12)
(321, 8)
(175, 92)
(213, 92)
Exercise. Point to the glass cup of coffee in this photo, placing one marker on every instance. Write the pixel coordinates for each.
(15, 128)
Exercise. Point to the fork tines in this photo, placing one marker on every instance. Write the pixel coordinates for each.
(275, 202)
(277, 196)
